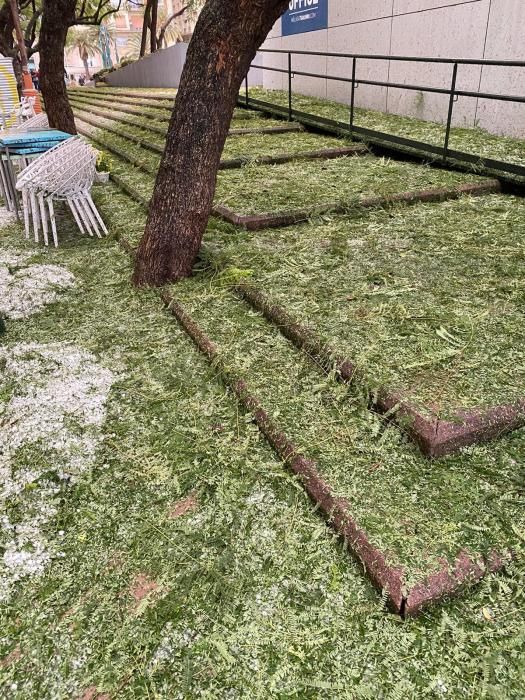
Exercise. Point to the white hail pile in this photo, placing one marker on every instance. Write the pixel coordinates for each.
(50, 430)
(25, 290)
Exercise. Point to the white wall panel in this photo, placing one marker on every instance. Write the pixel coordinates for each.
(505, 39)
(450, 32)
(439, 28)
(367, 38)
(350, 11)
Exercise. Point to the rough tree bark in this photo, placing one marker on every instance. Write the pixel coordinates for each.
(225, 41)
(57, 17)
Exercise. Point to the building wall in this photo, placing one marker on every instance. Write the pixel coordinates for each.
(492, 29)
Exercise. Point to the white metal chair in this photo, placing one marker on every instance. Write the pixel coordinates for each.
(64, 173)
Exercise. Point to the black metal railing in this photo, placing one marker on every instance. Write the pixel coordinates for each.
(442, 152)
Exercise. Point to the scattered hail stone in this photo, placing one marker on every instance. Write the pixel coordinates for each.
(6, 217)
(50, 430)
(26, 290)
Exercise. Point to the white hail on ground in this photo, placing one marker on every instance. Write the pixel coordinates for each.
(27, 289)
(51, 428)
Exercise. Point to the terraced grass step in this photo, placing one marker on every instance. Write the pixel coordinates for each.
(163, 104)
(155, 110)
(470, 140)
(411, 512)
(237, 152)
(110, 103)
(147, 126)
(405, 515)
(425, 301)
(239, 125)
(270, 196)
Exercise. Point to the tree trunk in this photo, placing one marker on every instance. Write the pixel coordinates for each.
(226, 39)
(86, 66)
(145, 25)
(58, 15)
(153, 27)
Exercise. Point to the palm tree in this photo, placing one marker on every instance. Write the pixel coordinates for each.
(85, 40)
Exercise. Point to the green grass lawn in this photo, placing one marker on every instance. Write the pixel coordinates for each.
(241, 590)
(476, 141)
(247, 147)
(428, 298)
(274, 188)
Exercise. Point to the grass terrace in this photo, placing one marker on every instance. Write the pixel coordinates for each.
(249, 147)
(469, 140)
(154, 546)
(135, 116)
(426, 298)
(275, 188)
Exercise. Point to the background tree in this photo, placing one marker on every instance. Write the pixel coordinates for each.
(57, 18)
(30, 14)
(84, 40)
(157, 21)
(225, 41)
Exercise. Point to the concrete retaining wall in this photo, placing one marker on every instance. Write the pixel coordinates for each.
(492, 29)
(162, 69)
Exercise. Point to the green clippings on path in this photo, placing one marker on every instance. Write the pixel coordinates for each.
(476, 141)
(250, 595)
(428, 298)
(275, 188)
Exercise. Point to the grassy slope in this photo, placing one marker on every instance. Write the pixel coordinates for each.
(392, 289)
(475, 141)
(427, 297)
(256, 599)
(248, 147)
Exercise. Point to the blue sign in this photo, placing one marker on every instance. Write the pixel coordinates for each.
(305, 16)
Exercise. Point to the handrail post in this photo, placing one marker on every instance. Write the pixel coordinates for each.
(450, 108)
(246, 87)
(289, 86)
(352, 98)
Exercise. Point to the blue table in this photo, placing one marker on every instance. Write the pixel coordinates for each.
(24, 144)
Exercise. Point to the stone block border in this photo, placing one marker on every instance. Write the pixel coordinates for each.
(256, 222)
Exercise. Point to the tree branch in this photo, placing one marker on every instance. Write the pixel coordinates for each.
(168, 22)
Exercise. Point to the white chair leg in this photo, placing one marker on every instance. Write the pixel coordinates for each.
(26, 205)
(53, 220)
(43, 217)
(95, 211)
(5, 186)
(89, 214)
(82, 216)
(35, 214)
(75, 215)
